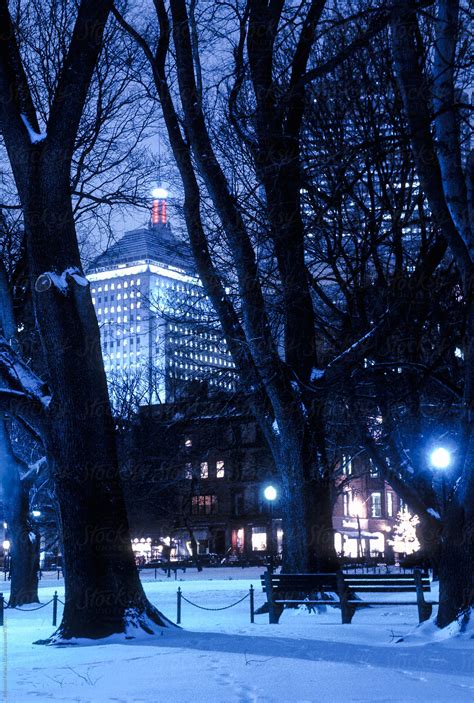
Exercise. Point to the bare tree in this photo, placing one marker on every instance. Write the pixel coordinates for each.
(430, 75)
(103, 591)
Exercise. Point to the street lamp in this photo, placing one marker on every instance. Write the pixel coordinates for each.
(6, 549)
(357, 513)
(270, 494)
(441, 460)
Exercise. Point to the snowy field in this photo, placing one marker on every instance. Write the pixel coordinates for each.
(221, 657)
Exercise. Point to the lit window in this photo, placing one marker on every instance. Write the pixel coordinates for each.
(220, 470)
(346, 498)
(188, 471)
(373, 469)
(204, 505)
(376, 504)
(389, 504)
(346, 465)
(188, 442)
(204, 469)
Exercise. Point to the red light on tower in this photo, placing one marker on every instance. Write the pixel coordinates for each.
(155, 213)
(158, 210)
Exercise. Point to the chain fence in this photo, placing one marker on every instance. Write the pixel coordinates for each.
(5, 605)
(180, 598)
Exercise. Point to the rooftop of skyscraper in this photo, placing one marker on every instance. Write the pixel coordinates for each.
(155, 243)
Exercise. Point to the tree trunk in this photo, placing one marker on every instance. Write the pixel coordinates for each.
(24, 555)
(24, 547)
(322, 551)
(103, 591)
(456, 568)
(308, 535)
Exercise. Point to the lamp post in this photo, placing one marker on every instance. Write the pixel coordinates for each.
(357, 511)
(270, 494)
(441, 461)
(6, 555)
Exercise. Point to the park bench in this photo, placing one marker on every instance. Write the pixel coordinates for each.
(168, 567)
(341, 590)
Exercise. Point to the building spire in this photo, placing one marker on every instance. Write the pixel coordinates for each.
(158, 210)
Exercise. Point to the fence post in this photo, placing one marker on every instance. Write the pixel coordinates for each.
(58, 574)
(252, 608)
(178, 606)
(55, 608)
(2, 605)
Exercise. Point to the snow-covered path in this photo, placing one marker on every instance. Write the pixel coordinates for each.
(220, 656)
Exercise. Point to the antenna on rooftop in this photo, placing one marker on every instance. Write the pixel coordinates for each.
(158, 210)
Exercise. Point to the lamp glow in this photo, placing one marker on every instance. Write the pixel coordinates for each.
(159, 193)
(357, 508)
(36, 513)
(270, 493)
(6, 545)
(440, 458)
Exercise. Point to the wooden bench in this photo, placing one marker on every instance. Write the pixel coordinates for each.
(298, 589)
(168, 567)
(417, 583)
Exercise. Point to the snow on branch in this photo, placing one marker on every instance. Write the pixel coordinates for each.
(355, 349)
(60, 280)
(18, 377)
(35, 137)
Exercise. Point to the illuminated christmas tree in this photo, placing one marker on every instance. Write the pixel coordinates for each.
(404, 539)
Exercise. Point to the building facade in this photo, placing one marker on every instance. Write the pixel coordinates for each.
(205, 480)
(158, 331)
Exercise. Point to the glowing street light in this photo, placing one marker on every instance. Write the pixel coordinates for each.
(358, 512)
(440, 458)
(270, 493)
(36, 513)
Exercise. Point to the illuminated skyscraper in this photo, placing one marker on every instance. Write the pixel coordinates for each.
(158, 336)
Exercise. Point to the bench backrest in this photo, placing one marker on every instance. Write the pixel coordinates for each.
(302, 583)
(362, 583)
(386, 583)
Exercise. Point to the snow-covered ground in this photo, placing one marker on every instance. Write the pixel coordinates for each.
(221, 657)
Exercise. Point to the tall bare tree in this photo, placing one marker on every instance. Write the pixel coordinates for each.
(103, 591)
(431, 67)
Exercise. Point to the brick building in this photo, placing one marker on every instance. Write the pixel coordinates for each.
(199, 469)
